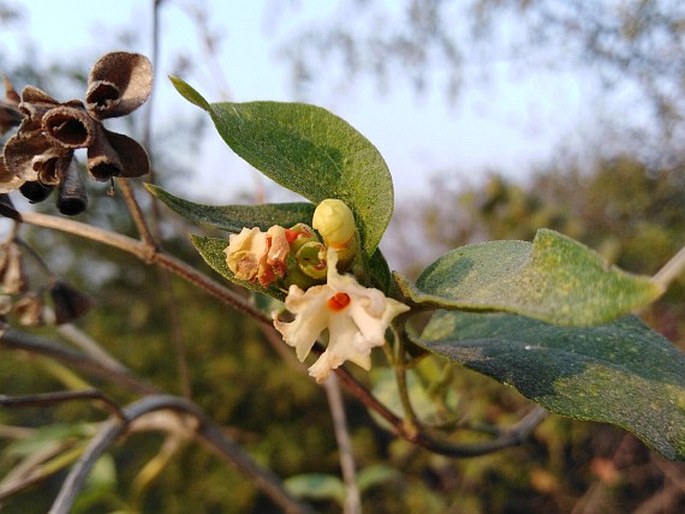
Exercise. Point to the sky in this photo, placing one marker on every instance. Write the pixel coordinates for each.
(510, 124)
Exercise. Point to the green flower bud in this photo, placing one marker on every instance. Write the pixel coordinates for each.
(311, 260)
(300, 234)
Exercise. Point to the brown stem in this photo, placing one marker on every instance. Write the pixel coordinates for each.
(16, 340)
(149, 255)
(208, 432)
(335, 403)
(136, 212)
(41, 399)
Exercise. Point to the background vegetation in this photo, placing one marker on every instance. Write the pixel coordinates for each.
(626, 200)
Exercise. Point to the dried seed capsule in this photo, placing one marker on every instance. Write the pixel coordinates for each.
(35, 191)
(72, 197)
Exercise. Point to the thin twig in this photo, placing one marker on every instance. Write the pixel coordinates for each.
(136, 212)
(86, 343)
(16, 340)
(35, 256)
(671, 270)
(105, 437)
(507, 437)
(353, 502)
(210, 286)
(125, 243)
(149, 255)
(208, 432)
(411, 421)
(42, 399)
(39, 465)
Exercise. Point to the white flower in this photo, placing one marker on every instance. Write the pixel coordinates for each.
(355, 316)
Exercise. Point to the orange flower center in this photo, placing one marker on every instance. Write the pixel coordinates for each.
(338, 301)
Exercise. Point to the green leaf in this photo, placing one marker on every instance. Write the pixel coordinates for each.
(554, 279)
(234, 217)
(189, 93)
(45, 437)
(319, 486)
(380, 272)
(621, 373)
(430, 408)
(314, 153)
(375, 475)
(212, 251)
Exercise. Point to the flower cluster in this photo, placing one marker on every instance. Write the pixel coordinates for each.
(281, 256)
(40, 156)
(324, 300)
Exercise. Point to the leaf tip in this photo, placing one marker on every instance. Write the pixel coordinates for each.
(152, 189)
(189, 93)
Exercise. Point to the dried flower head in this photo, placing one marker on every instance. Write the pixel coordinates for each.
(68, 302)
(10, 115)
(42, 150)
(12, 275)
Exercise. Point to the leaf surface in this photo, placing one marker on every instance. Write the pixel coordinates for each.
(314, 153)
(554, 279)
(621, 373)
(234, 218)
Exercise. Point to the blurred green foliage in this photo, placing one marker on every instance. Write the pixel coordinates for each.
(633, 215)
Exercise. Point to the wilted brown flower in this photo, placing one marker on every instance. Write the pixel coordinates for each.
(42, 150)
(29, 310)
(10, 115)
(69, 303)
(12, 276)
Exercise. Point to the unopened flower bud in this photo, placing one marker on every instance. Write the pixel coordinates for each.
(311, 260)
(335, 222)
(34, 191)
(300, 234)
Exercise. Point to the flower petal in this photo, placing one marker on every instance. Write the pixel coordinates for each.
(118, 83)
(9, 117)
(245, 251)
(52, 168)
(311, 318)
(34, 95)
(69, 126)
(8, 180)
(116, 155)
(29, 156)
(11, 96)
(34, 104)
